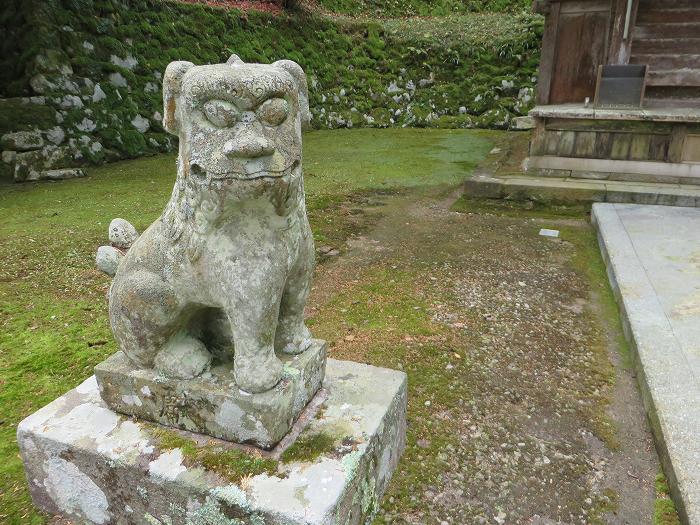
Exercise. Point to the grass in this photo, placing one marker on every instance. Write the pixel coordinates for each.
(53, 318)
(664, 509)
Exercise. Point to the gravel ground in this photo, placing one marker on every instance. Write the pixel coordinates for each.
(522, 409)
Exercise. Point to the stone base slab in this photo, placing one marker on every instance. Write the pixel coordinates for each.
(212, 403)
(95, 466)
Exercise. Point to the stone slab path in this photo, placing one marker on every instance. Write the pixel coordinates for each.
(653, 259)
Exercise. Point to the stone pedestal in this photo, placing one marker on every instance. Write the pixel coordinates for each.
(212, 403)
(96, 466)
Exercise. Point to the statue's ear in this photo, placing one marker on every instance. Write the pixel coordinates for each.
(172, 85)
(299, 77)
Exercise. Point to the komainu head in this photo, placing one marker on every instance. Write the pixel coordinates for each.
(236, 120)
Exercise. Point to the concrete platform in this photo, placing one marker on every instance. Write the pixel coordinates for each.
(212, 403)
(652, 255)
(573, 190)
(95, 466)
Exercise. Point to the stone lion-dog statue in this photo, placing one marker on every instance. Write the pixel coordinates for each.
(229, 262)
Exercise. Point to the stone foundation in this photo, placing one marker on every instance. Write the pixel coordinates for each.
(95, 466)
(213, 404)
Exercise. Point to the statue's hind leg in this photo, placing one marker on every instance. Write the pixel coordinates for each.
(151, 326)
(292, 335)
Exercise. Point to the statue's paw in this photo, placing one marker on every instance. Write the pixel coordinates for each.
(297, 347)
(184, 357)
(256, 376)
(298, 343)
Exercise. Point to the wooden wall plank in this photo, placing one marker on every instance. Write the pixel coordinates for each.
(639, 147)
(603, 145)
(691, 149)
(625, 126)
(537, 140)
(620, 149)
(658, 147)
(585, 144)
(552, 143)
(677, 143)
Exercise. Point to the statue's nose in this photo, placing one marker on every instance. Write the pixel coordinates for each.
(248, 145)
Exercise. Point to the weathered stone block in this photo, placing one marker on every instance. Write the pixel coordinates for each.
(40, 164)
(95, 466)
(483, 186)
(212, 403)
(66, 173)
(523, 123)
(22, 141)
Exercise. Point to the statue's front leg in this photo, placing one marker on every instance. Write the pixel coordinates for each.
(293, 337)
(254, 305)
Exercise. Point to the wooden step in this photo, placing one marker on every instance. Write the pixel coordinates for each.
(667, 4)
(659, 30)
(684, 46)
(662, 16)
(652, 102)
(674, 77)
(667, 61)
(672, 96)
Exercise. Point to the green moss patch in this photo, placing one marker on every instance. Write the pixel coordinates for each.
(229, 463)
(308, 447)
(17, 114)
(664, 509)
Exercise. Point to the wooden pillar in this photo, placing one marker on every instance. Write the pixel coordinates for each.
(619, 51)
(549, 50)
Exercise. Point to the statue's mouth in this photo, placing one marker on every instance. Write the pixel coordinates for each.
(202, 174)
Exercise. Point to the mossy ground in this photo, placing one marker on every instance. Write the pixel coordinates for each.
(504, 334)
(53, 318)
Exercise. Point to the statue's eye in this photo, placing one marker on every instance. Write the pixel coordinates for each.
(221, 113)
(273, 111)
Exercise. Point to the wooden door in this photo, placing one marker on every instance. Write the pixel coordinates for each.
(581, 46)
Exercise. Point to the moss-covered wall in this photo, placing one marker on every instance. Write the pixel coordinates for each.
(95, 67)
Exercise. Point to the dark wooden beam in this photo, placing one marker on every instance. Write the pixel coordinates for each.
(549, 51)
(541, 7)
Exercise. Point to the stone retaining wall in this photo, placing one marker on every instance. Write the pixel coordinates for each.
(85, 82)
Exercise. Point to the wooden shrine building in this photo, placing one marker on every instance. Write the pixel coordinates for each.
(577, 134)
